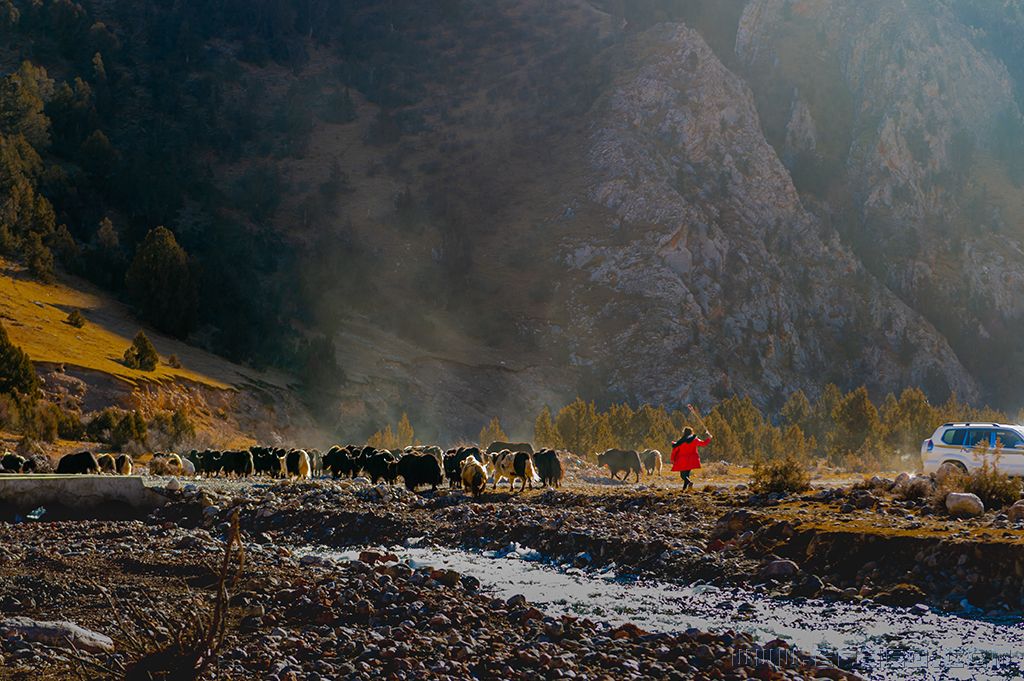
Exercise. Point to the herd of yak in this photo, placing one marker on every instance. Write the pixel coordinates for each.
(463, 467)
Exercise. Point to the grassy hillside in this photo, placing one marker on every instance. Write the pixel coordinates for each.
(35, 315)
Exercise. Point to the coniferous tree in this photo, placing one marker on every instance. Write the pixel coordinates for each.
(160, 283)
(404, 433)
(492, 432)
(544, 432)
(582, 429)
(17, 374)
(39, 258)
(141, 355)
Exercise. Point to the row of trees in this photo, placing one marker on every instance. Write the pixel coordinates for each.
(839, 429)
(843, 429)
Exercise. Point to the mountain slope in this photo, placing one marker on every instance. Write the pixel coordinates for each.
(489, 207)
(82, 368)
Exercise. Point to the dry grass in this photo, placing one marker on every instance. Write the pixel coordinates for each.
(35, 315)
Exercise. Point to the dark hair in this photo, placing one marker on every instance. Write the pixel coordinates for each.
(688, 436)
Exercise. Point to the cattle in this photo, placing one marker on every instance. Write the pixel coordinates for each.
(187, 467)
(13, 463)
(380, 466)
(453, 463)
(316, 463)
(82, 462)
(295, 464)
(195, 459)
(624, 461)
(514, 466)
(496, 447)
(237, 463)
(474, 475)
(107, 464)
(264, 461)
(435, 452)
(549, 467)
(174, 463)
(336, 462)
(123, 464)
(418, 470)
(651, 460)
(210, 463)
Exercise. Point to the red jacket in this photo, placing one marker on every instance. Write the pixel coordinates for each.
(685, 456)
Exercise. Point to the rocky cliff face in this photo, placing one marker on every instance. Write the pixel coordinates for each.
(704, 273)
(924, 193)
(838, 206)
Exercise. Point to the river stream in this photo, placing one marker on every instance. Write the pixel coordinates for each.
(875, 641)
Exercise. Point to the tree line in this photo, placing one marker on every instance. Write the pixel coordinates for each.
(840, 429)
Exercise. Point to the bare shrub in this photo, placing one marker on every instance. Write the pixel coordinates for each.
(716, 469)
(995, 488)
(784, 476)
(182, 644)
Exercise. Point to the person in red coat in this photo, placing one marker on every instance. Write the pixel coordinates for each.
(685, 457)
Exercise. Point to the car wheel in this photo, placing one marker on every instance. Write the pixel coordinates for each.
(958, 464)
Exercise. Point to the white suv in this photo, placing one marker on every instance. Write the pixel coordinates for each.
(960, 444)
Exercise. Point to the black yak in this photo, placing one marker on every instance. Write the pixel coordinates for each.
(82, 462)
(418, 470)
(549, 467)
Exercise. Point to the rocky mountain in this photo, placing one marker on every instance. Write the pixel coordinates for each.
(794, 220)
(489, 207)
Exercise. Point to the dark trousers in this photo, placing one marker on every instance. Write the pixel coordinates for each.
(685, 475)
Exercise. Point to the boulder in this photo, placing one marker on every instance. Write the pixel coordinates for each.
(918, 487)
(62, 634)
(904, 595)
(964, 505)
(734, 522)
(863, 500)
(1015, 513)
(808, 587)
(947, 472)
(780, 569)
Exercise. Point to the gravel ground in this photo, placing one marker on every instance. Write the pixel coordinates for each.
(313, 619)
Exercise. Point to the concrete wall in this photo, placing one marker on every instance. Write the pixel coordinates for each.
(77, 491)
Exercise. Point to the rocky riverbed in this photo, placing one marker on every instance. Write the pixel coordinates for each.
(843, 542)
(297, 615)
(311, 619)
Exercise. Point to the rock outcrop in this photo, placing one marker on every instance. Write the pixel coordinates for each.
(703, 273)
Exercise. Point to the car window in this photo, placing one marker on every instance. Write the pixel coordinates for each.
(1009, 439)
(954, 436)
(977, 437)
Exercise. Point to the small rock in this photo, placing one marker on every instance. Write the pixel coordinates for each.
(780, 569)
(1015, 513)
(964, 505)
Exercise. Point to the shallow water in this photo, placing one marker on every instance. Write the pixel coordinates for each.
(877, 641)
